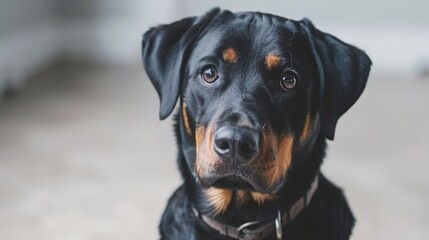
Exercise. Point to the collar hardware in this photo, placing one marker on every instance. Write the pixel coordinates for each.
(279, 226)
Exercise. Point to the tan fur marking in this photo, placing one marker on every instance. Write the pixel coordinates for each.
(199, 137)
(230, 55)
(186, 119)
(206, 157)
(260, 198)
(307, 129)
(267, 161)
(242, 196)
(272, 61)
(219, 199)
(283, 159)
(210, 155)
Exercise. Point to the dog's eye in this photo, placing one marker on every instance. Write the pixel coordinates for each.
(209, 74)
(289, 80)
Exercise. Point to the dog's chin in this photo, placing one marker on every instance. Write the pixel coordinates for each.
(233, 182)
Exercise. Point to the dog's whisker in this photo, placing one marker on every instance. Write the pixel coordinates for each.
(182, 156)
(184, 152)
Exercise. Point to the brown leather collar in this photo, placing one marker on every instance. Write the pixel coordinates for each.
(244, 233)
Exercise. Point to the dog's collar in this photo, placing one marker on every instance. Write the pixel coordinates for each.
(244, 233)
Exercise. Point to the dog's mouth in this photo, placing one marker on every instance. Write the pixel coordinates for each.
(233, 182)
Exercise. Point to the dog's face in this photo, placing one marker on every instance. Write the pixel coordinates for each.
(248, 92)
(256, 91)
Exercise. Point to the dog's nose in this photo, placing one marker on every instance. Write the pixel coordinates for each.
(236, 144)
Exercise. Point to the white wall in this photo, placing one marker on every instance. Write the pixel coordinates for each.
(29, 39)
(110, 32)
(36, 33)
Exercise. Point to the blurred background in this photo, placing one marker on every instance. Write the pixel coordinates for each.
(84, 156)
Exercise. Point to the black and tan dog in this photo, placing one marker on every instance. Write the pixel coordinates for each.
(259, 95)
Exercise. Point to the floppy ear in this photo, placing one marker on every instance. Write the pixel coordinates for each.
(343, 73)
(165, 51)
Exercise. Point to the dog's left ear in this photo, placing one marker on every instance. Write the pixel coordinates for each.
(165, 50)
(343, 73)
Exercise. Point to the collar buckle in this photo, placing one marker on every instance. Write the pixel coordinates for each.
(241, 229)
(279, 225)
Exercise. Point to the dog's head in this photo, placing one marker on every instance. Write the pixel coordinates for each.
(256, 91)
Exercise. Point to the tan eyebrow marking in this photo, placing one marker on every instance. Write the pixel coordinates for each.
(230, 55)
(272, 61)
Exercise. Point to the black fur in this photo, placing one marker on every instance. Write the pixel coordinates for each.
(331, 74)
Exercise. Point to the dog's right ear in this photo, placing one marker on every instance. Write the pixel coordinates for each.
(165, 51)
(343, 73)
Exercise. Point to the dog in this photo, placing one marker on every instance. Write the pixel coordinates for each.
(259, 95)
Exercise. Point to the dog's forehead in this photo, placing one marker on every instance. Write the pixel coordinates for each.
(247, 34)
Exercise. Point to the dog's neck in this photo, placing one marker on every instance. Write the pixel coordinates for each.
(258, 230)
(297, 185)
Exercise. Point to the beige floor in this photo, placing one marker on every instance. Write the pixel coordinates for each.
(84, 157)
